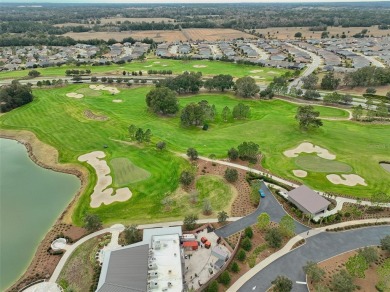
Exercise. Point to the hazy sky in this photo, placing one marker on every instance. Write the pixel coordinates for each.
(183, 1)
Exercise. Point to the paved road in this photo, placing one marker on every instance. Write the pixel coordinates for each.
(270, 205)
(317, 248)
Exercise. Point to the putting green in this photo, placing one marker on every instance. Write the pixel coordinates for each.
(125, 172)
(317, 164)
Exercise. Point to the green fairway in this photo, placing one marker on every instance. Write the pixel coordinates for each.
(59, 121)
(125, 172)
(262, 74)
(318, 164)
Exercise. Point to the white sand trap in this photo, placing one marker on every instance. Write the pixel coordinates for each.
(299, 173)
(156, 62)
(165, 65)
(101, 194)
(346, 179)
(306, 147)
(117, 100)
(74, 95)
(199, 66)
(272, 72)
(257, 77)
(112, 90)
(256, 71)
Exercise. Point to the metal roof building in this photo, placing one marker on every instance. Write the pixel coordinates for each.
(308, 201)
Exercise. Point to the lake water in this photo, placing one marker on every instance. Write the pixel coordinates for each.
(31, 198)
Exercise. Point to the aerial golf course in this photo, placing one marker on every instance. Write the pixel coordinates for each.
(99, 121)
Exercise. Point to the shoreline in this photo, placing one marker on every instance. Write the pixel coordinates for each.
(46, 156)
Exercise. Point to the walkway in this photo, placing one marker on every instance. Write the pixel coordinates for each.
(269, 205)
(320, 245)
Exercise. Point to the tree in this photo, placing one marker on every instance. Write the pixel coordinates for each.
(246, 244)
(310, 82)
(313, 271)
(382, 110)
(241, 255)
(231, 175)
(385, 243)
(370, 254)
(246, 87)
(298, 35)
(248, 151)
(248, 232)
(343, 282)
(333, 97)
(286, 225)
(388, 95)
(357, 112)
(241, 111)
(207, 209)
(226, 113)
(330, 82)
(132, 130)
(235, 267)
(222, 82)
(147, 135)
(222, 216)
(192, 153)
(190, 221)
(233, 153)
(213, 287)
(263, 221)
(92, 222)
(194, 114)
(139, 135)
(224, 278)
(308, 117)
(357, 265)
(161, 145)
(132, 234)
(186, 178)
(34, 73)
(346, 99)
(274, 238)
(311, 94)
(282, 284)
(162, 100)
(14, 95)
(370, 90)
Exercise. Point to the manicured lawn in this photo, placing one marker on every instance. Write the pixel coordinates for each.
(329, 112)
(59, 121)
(177, 66)
(125, 172)
(318, 164)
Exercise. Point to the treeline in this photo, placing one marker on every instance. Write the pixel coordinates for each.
(14, 95)
(368, 76)
(160, 72)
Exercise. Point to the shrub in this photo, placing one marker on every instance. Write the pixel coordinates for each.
(241, 255)
(186, 178)
(246, 244)
(224, 278)
(274, 238)
(282, 284)
(248, 232)
(231, 175)
(190, 221)
(213, 287)
(235, 267)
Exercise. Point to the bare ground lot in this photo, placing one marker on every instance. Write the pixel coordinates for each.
(212, 34)
(288, 32)
(215, 34)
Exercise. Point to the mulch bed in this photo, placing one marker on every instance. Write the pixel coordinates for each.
(43, 263)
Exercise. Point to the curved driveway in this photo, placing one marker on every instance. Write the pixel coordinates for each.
(269, 205)
(317, 248)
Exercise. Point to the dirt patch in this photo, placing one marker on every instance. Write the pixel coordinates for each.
(306, 147)
(346, 179)
(75, 95)
(256, 71)
(215, 34)
(299, 173)
(101, 193)
(90, 115)
(335, 264)
(199, 66)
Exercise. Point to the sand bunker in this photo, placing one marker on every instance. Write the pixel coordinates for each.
(299, 173)
(309, 148)
(165, 65)
(74, 95)
(257, 77)
(101, 193)
(117, 100)
(147, 66)
(156, 62)
(346, 179)
(256, 71)
(112, 90)
(199, 66)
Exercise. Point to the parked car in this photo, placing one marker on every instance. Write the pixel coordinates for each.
(262, 194)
